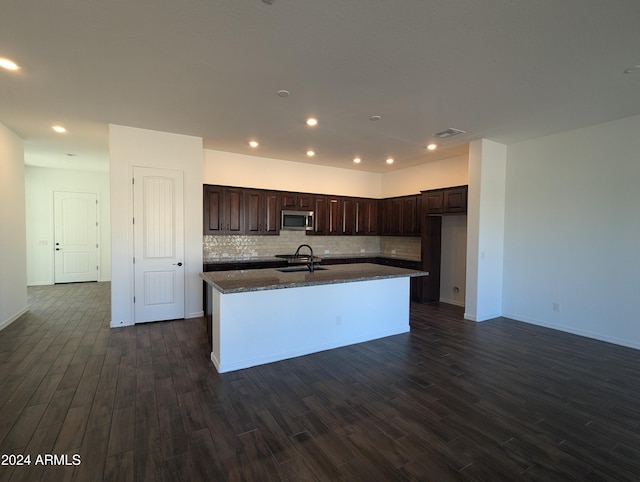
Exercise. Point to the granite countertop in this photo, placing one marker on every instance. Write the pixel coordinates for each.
(240, 281)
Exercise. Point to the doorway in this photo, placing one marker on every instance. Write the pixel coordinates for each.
(76, 236)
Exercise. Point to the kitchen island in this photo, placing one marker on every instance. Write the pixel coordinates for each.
(265, 315)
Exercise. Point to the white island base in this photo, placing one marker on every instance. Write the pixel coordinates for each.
(256, 327)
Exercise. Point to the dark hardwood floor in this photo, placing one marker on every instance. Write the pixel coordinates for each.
(452, 400)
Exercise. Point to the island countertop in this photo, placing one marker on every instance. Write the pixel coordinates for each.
(242, 281)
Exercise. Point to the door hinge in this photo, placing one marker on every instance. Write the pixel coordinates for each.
(96, 245)
(133, 180)
(134, 220)
(134, 260)
(97, 268)
(134, 299)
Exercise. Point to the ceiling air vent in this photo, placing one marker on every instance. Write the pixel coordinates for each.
(450, 132)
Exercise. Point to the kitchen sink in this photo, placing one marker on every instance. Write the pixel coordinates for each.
(294, 269)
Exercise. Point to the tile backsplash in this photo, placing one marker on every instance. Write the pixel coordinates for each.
(216, 248)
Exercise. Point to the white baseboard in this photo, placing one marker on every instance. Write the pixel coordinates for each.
(197, 314)
(483, 317)
(39, 283)
(120, 324)
(6, 323)
(452, 302)
(575, 331)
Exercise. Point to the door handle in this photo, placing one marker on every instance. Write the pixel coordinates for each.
(178, 263)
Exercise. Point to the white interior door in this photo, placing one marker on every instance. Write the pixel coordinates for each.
(158, 244)
(75, 236)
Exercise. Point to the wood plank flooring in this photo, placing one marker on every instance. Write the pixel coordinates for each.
(452, 400)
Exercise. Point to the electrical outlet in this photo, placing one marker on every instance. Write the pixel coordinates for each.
(556, 307)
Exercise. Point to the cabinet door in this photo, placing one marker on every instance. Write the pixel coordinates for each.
(297, 201)
(289, 200)
(233, 211)
(362, 216)
(384, 211)
(435, 202)
(253, 211)
(320, 216)
(366, 213)
(395, 217)
(334, 222)
(455, 200)
(272, 207)
(348, 215)
(305, 202)
(410, 216)
(212, 209)
(371, 227)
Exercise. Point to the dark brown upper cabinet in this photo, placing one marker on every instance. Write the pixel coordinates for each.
(348, 215)
(451, 200)
(234, 210)
(320, 215)
(399, 216)
(410, 216)
(366, 217)
(334, 212)
(261, 212)
(434, 202)
(455, 200)
(297, 201)
(223, 210)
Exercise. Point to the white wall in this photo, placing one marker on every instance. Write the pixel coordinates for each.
(230, 169)
(431, 175)
(13, 253)
(485, 230)
(129, 147)
(40, 183)
(572, 231)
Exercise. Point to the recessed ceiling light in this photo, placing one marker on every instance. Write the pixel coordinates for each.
(357, 160)
(389, 161)
(375, 117)
(283, 93)
(311, 153)
(432, 147)
(59, 129)
(8, 64)
(633, 70)
(254, 143)
(311, 122)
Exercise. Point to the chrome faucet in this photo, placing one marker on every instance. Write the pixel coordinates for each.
(310, 263)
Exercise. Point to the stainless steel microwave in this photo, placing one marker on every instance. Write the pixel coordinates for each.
(297, 220)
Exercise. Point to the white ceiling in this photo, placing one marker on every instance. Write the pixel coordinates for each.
(501, 69)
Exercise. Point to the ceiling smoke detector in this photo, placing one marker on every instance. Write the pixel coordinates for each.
(450, 132)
